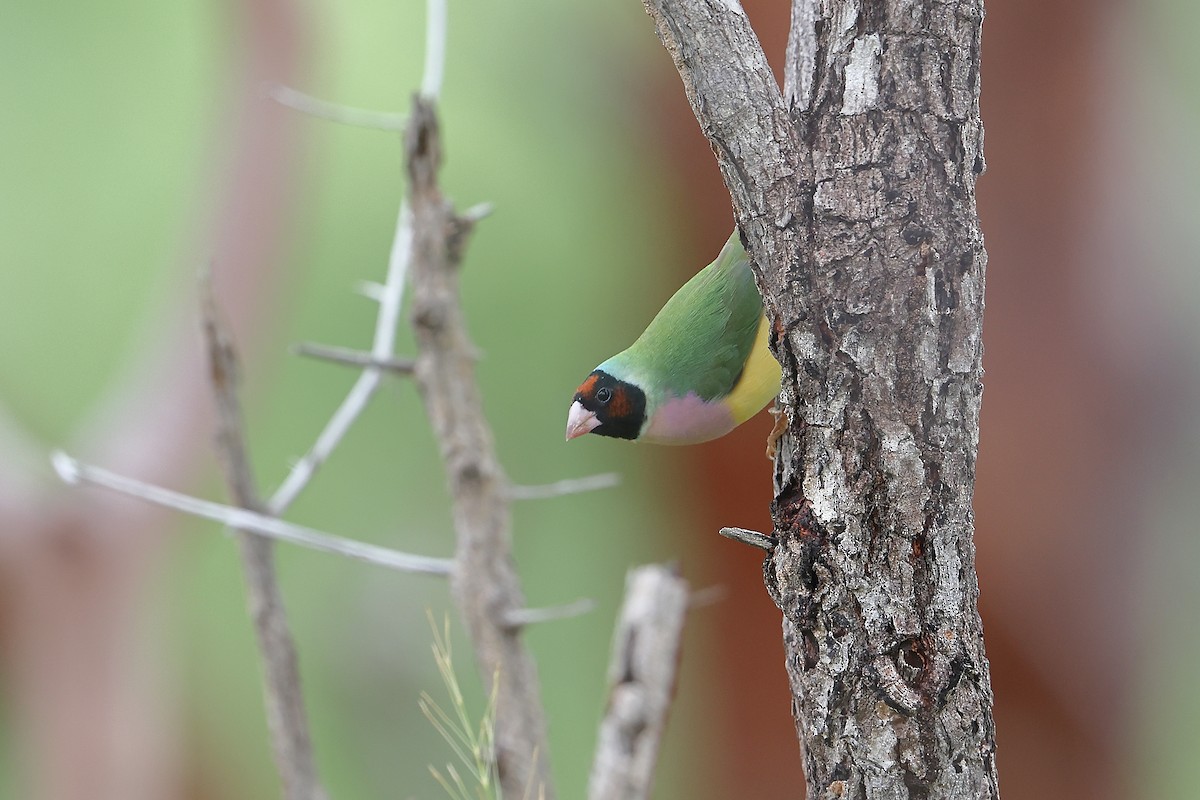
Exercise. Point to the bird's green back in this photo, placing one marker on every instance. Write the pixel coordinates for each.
(700, 340)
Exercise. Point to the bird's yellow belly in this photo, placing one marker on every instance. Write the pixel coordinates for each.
(691, 419)
(759, 382)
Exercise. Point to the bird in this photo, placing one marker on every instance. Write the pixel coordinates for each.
(701, 368)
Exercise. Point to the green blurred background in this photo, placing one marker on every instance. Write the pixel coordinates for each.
(116, 119)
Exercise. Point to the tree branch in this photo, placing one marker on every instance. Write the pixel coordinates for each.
(287, 719)
(738, 104)
(485, 585)
(74, 472)
(857, 198)
(641, 682)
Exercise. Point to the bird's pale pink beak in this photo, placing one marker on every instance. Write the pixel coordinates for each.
(580, 421)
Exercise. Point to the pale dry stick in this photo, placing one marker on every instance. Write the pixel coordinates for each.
(287, 719)
(74, 472)
(485, 585)
(641, 682)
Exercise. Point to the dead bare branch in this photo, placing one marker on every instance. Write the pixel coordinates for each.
(287, 719)
(485, 585)
(641, 681)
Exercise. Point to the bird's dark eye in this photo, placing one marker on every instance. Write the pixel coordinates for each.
(604, 394)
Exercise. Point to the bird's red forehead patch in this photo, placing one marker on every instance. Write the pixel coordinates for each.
(587, 387)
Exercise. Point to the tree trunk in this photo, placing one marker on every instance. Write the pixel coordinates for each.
(855, 191)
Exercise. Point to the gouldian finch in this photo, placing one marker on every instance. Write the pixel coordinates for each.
(699, 370)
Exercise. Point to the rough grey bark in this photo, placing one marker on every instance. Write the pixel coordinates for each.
(855, 190)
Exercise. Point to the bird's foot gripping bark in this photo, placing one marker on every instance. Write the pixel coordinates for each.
(781, 424)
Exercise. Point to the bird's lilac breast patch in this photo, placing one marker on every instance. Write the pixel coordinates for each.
(688, 420)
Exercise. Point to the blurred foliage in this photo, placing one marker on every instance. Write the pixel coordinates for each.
(1164, 66)
(114, 113)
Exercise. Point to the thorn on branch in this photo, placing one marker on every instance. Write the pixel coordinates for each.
(568, 486)
(752, 538)
(461, 226)
(354, 358)
(372, 290)
(477, 212)
(519, 618)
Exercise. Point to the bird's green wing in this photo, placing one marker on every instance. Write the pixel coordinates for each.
(700, 340)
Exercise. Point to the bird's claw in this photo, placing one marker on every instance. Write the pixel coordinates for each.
(781, 424)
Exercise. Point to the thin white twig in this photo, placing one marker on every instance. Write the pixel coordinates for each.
(356, 400)
(75, 472)
(592, 483)
(435, 49)
(390, 297)
(330, 437)
(393, 288)
(531, 616)
(345, 115)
